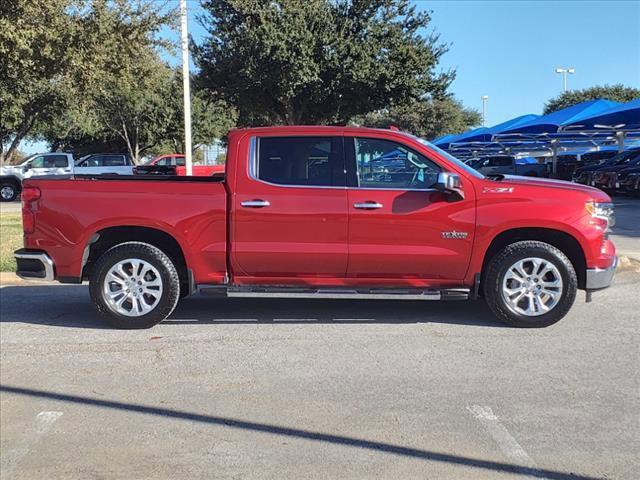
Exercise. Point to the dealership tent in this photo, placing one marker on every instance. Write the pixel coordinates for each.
(624, 116)
(553, 121)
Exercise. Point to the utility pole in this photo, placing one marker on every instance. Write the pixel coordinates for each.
(484, 98)
(185, 87)
(564, 72)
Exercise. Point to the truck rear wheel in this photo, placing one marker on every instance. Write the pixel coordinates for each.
(134, 285)
(530, 284)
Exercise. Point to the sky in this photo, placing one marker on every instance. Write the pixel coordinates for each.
(509, 50)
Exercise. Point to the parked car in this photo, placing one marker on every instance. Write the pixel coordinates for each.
(606, 178)
(509, 165)
(629, 181)
(174, 164)
(104, 163)
(583, 175)
(289, 221)
(11, 177)
(172, 159)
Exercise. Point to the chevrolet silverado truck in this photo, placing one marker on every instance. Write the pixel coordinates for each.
(312, 212)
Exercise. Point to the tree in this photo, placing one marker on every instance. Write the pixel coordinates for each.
(424, 118)
(317, 61)
(616, 93)
(36, 48)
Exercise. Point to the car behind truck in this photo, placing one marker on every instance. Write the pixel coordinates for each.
(321, 212)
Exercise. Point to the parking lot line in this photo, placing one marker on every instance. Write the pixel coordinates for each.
(43, 423)
(505, 441)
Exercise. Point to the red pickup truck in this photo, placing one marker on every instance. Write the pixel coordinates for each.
(322, 212)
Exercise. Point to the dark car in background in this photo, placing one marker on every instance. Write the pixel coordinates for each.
(606, 178)
(584, 175)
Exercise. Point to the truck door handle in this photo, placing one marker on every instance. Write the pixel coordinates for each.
(367, 205)
(255, 203)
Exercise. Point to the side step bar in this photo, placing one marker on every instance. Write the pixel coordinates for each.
(334, 293)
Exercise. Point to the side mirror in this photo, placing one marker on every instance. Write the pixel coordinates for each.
(26, 167)
(451, 184)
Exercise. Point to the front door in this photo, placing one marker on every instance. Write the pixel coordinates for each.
(402, 231)
(289, 211)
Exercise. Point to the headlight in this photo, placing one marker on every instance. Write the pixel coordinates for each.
(603, 211)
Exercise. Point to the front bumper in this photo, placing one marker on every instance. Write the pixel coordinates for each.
(34, 265)
(599, 278)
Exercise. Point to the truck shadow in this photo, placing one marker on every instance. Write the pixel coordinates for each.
(70, 306)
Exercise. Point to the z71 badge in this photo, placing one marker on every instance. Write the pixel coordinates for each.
(455, 235)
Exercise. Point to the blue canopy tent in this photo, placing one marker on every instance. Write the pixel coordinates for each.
(624, 116)
(553, 121)
(485, 134)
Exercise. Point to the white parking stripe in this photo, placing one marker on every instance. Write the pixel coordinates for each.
(507, 444)
(13, 455)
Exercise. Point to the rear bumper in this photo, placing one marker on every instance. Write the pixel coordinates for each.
(599, 278)
(34, 265)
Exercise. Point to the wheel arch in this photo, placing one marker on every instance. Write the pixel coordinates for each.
(13, 179)
(563, 241)
(107, 238)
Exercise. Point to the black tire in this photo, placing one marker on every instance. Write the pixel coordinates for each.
(498, 267)
(155, 257)
(9, 191)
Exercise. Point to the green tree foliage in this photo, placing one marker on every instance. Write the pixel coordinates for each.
(86, 75)
(426, 118)
(317, 61)
(616, 93)
(36, 48)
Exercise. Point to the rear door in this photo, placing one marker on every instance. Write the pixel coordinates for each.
(402, 232)
(289, 211)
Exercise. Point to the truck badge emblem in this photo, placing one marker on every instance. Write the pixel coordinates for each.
(454, 235)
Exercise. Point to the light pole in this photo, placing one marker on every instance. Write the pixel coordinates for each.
(185, 87)
(484, 98)
(564, 72)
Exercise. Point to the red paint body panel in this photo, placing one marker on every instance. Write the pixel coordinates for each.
(70, 212)
(312, 235)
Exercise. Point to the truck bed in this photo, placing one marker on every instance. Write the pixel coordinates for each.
(193, 212)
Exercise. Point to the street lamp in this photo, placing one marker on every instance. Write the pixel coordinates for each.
(484, 109)
(564, 72)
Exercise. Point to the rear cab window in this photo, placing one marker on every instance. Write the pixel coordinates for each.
(300, 161)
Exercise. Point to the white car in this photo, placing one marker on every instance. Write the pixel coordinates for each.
(101, 163)
(11, 177)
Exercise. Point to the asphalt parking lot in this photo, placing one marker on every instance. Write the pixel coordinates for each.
(320, 389)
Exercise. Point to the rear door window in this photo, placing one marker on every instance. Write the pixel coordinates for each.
(303, 161)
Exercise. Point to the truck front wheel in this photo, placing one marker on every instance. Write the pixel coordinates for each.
(134, 285)
(530, 284)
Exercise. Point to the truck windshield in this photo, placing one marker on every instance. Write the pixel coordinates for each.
(450, 157)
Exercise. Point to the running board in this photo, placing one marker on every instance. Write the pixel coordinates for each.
(335, 293)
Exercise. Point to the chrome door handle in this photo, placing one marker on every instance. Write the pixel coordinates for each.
(255, 203)
(367, 205)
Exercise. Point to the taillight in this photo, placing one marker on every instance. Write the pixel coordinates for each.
(29, 195)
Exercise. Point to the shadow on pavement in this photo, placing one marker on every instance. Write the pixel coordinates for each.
(290, 432)
(70, 306)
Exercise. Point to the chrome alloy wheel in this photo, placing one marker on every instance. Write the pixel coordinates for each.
(7, 192)
(532, 286)
(132, 287)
